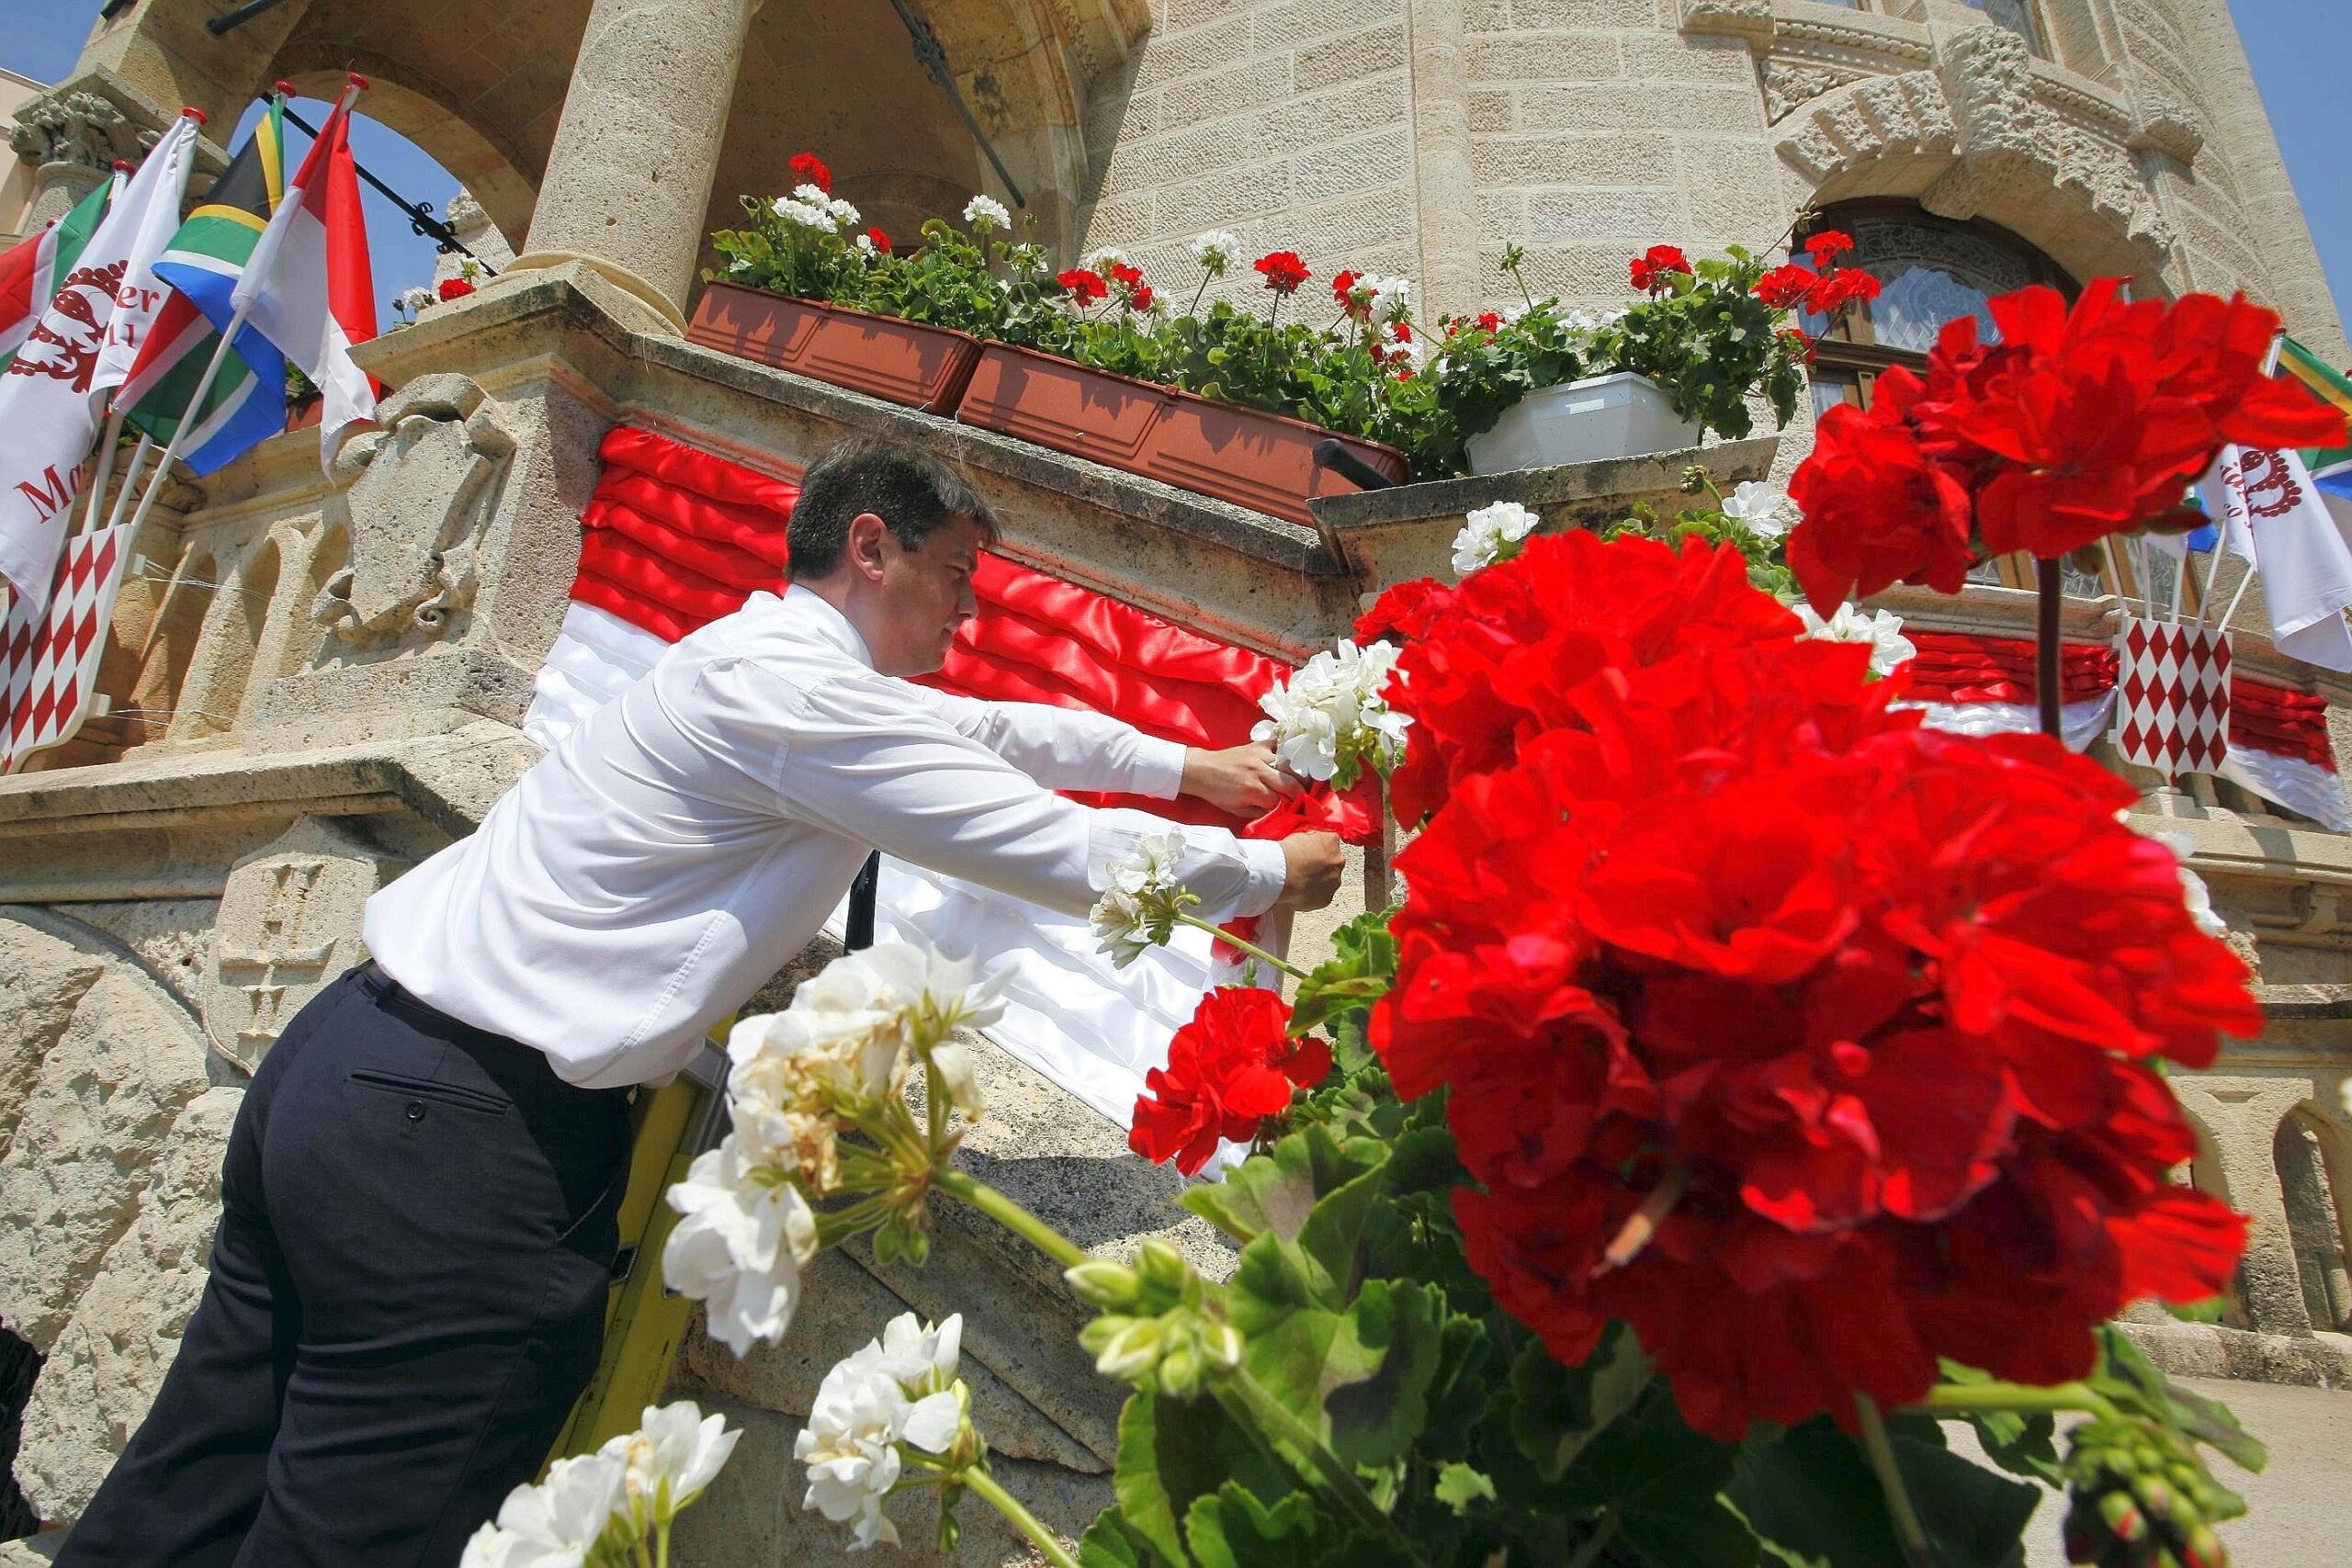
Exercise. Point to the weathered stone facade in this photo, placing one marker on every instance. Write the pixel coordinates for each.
(316, 677)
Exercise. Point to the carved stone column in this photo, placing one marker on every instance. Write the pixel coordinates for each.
(629, 177)
(1445, 191)
(73, 134)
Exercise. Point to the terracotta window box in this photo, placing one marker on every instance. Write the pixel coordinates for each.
(304, 412)
(900, 362)
(1265, 461)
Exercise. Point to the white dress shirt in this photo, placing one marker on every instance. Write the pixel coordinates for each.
(689, 837)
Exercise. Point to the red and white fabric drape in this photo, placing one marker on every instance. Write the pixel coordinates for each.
(677, 537)
(2278, 746)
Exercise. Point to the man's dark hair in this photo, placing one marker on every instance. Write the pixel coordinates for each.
(909, 488)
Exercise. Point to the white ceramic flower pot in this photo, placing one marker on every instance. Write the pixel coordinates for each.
(1623, 415)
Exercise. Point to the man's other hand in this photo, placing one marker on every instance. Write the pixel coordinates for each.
(1244, 780)
(1311, 866)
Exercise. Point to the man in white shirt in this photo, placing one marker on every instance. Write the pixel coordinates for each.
(419, 1200)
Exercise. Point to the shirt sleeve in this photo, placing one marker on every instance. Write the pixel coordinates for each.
(860, 760)
(1064, 748)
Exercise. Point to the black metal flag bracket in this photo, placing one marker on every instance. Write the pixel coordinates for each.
(420, 216)
(934, 56)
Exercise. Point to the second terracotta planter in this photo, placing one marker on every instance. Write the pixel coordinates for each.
(1265, 461)
(900, 362)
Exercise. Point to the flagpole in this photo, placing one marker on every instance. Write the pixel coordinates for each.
(2236, 600)
(130, 476)
(105, 469)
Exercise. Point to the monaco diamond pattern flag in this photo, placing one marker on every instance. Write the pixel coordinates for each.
(2174, 686)
(48, 660)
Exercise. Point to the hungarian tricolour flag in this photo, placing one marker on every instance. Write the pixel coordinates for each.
(35, 267)
(677, 537)
(204, 261)
(306, 285)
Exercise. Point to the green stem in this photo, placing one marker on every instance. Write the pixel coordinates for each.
(1276, 1418)
(1252, 949)
(1908, 1529)
(1596, 1541)
(1011, 1217)
(985, 1487)
(662, 1553)
(1969, 1399)
(1194, 307)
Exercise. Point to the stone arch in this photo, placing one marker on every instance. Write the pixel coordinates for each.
(1975, 139)
(489, 165)
(2205, 1172)
(114, 1135)
(2314, 1151)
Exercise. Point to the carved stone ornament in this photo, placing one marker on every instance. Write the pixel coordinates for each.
(288, 923)
(419, 492)
(84, 128)
(2165, 126)
(1790, 83)
(1750, 19)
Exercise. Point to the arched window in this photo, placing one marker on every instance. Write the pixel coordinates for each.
(1931, 271)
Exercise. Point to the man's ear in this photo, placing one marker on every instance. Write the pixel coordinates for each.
(866, 550)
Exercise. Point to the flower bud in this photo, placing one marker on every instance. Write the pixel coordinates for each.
(1180, 1374)
(1125, 1348)
(1100, 1283)
(1162, 1267)
(2123, 1518)
(1221, 1343)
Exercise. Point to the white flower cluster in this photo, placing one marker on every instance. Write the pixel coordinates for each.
(1587, 321)
(1881, 629)
(747, 1227)
(1491, 534)
(986, 212)
(1217, 250)
(1140, 898)
(2193, 891)
(597, 1506)
(899, 1390)
(865, 245)
(1764, 509)
(1101, 259)
(417, 298)
(810, 207)
(1331, 716)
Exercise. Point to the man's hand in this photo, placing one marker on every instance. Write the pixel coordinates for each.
(1311, 866)
(1244, 780)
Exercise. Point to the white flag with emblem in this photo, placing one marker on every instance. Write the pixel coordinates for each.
(50, 396)
(2274, 515)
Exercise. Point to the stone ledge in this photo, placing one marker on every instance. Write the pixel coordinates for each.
(1392, 536)
(2208, 1350)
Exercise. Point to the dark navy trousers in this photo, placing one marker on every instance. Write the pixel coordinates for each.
(418, 1223)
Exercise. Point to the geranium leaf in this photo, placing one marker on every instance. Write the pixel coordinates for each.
(1659, 1479)
(1558, 1411)
(2021, 1444)
(1275, 1192)
(1458, 1486)
(1810, 1495)
(1376, 1420)
(1231, 1528)
(1173, 1451)
(2126, 1376)
(1112, 1542)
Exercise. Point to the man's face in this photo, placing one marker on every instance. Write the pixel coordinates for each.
(926, 594)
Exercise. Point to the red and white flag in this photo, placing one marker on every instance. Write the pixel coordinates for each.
(49, 658)
(54, 389)
(307, 287)
(677, 537)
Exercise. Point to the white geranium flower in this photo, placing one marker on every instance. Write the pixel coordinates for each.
(864, 1409)
(865, 245)
(815, 214)
(1391, 298)
(1140, 898)
(1102, 258)
(953, 1061)
(554, 1524)
(2193, 891)
(1332, 713)
(666, 1463)
(1492, 534)
(1216, 251)
(984, 212)
(1881, 629)
(739, 1246)
(1765, 509)
(844, 213)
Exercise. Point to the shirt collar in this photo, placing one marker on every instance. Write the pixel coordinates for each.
(811, 611)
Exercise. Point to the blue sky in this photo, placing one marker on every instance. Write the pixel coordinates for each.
(2297, 47)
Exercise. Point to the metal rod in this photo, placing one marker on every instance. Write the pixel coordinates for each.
(857, 930)
(105, 469)
(229, 22)
(932, 55)
(420, 217)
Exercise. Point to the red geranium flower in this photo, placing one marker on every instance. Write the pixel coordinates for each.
(1083, 288)
(1653, 267)
(1878, 507)
(1826, 246)
(1228, 1070)
(1403, 611)
(881, 241)
(809, 169)
(1282, 271)
(1810, 1043)
(1139, 297)
(1489, 321)
(454, 289)
(1832, 292)
(1343, 294)
(1785, 288)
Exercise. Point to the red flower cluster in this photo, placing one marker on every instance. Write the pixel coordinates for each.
(1228, 1070)
(1282, 271)
(1343, 294)
(809, 169)
(1133, 290)
(2077, 425)
(1654, 266)
(1785, 288)
(881, 241)
(1812, 1044)
(1824, 293)
(1825, 247)
(454, 289)
(1083, 288)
